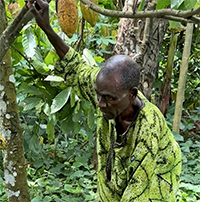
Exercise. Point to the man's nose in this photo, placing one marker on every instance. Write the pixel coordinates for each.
(101, 103)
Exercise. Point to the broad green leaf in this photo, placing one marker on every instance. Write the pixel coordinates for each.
(176, 3)
(60, 100)
(189, 4)
(54, 78)
(17, 46)
(81, 161)
(141, 6)
(50, 131)
(162, 4)
(77, 108)
(73, 98)
(37, 199)
(47, 109)
(178, 137)
(32, 90)
(77, 116)
(195, 188)
(67, 125)
(24, 72)
(51, 58)
(30, 103)
(175, 26)
(70, 188)
(99, 59)
(21, 3)
(198, 89)
(29, 42)
(40, 67)
(87, 56)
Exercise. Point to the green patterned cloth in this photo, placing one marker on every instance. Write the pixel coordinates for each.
(146, 164)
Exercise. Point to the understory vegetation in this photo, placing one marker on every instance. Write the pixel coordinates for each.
(59, 128)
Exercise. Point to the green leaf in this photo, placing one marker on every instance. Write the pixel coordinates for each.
(21, 3)
(189, 4)
(162, 4)
(73, 98)
(54, 78)
(87, 56)
(60, 100)
(29, 42)
(67, 125)
(17, 46)
(141, 6)
(51, 58)
(175, 26)
(40, 67)
(37, 199)
(30, 103)
(177, 136)
(32, 90)
(175, 4)
(50, 131)
(81, 161)
(99, 59)
(189, 186)
(24, 72)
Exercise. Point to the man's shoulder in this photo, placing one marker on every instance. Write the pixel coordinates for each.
(150, 110)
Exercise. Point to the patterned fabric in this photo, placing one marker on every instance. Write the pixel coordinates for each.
(146, 164)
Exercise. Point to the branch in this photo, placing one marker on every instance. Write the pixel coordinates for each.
(163, 13)
(12, 31)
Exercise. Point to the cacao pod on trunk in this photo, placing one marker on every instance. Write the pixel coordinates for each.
(89, 15)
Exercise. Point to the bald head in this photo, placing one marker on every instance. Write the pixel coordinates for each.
(124, 68)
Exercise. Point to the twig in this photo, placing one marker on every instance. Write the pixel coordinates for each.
(81, 34)
(23, 56)
(145, 14)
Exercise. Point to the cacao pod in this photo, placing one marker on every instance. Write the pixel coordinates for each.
(89, 15)
(67, 16)
(14, 9)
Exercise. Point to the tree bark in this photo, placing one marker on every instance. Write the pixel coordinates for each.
(14, 162)
(141, 40)
(165, 92)
(182, 78)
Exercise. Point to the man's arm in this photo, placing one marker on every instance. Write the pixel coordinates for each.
(42, 19)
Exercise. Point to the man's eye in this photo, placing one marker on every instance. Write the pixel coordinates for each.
(109, 98)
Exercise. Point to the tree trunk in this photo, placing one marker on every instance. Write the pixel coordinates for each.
(182, 78)
(141, 39)
(165, 92)
(10, 128)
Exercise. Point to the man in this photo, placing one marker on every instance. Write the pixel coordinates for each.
(138, 158)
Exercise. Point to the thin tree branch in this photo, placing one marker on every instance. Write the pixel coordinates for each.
(30, 64)
(145, 14)
(81, 34)
(12, 31)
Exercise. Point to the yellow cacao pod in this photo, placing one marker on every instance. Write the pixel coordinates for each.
(89, 15)
(67, 16)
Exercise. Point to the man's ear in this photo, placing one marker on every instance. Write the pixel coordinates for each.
(133, 92)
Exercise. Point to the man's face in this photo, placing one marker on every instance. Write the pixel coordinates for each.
(112, 100)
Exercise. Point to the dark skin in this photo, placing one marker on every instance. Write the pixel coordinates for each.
(114, 102)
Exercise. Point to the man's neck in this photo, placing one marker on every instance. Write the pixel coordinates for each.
(128, 116)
